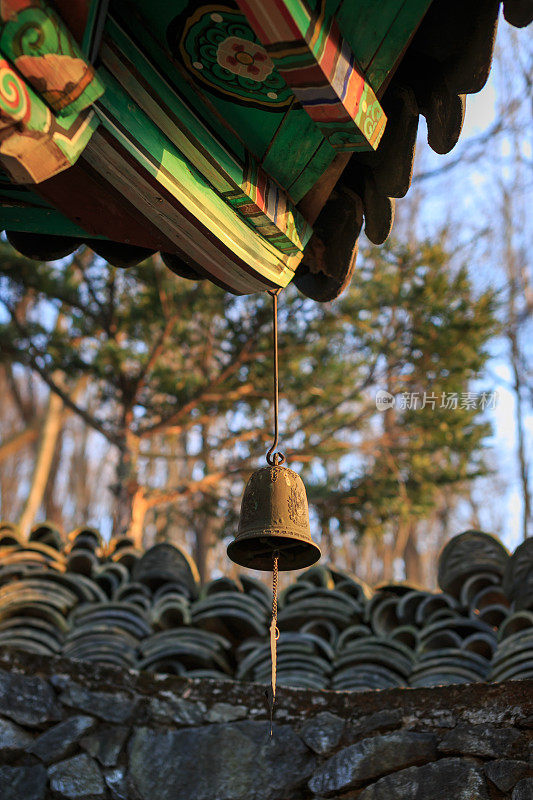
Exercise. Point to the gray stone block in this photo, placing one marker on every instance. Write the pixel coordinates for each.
(110, 706)
(106, 743)
(323, 732)
(27, 700)
(479, 740)
(378, 722)
(504, 773)
(176, 710)
(77, 778)
(116, 782)
(226, 712)
(60, 741)
(371, 758)
(13, 740)
(448, 779)
(23, 783)
(237, 761)
(523, 790)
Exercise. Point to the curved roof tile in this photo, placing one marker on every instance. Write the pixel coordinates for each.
(148, 612)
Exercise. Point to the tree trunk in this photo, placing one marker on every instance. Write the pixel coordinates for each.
(204, 539)
(387, 557)
(412, 560)
(205, 533)
(517, 286)
(43, 463)
(16, 442)
(125, 489)
(139, 508)
(520, 435)
(363, 566)
(127, 479)
(52, 509)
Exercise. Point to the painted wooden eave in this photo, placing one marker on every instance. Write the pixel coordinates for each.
(318, 64)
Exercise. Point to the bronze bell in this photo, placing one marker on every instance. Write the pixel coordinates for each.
(274, 520)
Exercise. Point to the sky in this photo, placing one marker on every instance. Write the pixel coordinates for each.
(463, 196)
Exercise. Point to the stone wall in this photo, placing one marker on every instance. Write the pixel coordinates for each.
(76, 730)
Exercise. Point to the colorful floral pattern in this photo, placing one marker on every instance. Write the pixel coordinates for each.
(220, 50)
(245, 58)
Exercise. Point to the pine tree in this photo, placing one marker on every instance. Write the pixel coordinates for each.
(430, 334)
(177, 380)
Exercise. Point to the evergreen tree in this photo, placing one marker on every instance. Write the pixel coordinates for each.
(177, 378)
(430, 335)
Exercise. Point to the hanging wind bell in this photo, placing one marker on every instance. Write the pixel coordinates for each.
(274, 532)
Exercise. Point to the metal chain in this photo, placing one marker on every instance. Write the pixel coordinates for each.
(274, 633)
(275, 459)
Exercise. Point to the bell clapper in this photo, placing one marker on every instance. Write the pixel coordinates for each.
(274, 633)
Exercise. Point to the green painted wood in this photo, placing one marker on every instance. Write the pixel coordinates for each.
(17, 195)
(198, 238)
(286, 159)
(256, 127)
(299, 12)
(331, 6)
(229, 177)
(182, 118)
(294, 145)
(136, 27)
(365, 27)
(169, 167)
(92, 18)
(38, 220)
(311, 55)
(398, 36)
(66, 89)
(144, 135)
(321, 160)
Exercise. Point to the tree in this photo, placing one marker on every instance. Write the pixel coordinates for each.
(176, 387)
(181, 376)
(430, 334)
(488, 201)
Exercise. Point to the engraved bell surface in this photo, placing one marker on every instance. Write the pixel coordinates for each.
(274, 519)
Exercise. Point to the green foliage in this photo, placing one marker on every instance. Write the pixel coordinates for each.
(186, 368)
(431, 334)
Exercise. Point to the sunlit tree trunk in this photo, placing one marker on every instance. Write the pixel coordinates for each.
(17, 442)
(205, 538)
(125, 489)
(43, 463)
(139, 509)
(52, 509)
(516, 279)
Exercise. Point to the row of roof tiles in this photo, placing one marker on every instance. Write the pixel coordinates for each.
(113, 604)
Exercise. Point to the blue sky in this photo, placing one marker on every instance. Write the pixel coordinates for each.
(466, 196)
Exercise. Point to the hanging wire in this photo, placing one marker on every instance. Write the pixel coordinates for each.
(274, 633)
(274, 459)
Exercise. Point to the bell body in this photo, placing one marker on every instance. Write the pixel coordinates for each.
(274, 520)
